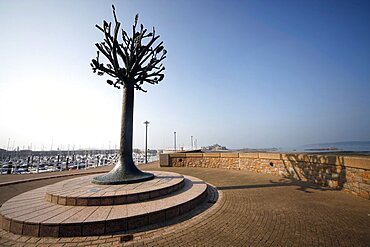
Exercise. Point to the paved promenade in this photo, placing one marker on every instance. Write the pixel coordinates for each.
(253, 210)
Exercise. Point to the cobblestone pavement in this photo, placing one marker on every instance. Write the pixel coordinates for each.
(253, 210)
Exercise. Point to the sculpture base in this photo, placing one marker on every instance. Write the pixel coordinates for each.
(81, 192)
(124, 172)
(76, 208)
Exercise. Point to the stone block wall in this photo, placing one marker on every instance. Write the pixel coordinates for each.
(346, 173)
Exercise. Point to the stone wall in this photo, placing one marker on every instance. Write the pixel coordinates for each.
(347, 173)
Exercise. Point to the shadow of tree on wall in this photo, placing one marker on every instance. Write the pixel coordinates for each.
(321, 170)
(302, 186)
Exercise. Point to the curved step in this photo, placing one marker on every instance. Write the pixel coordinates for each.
(82, 192)
(30, 214)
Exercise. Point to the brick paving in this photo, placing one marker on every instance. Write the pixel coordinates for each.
(253, 210)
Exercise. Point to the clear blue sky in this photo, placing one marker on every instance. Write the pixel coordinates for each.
(239, 73)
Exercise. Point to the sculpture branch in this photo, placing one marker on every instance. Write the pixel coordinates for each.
(131, 59)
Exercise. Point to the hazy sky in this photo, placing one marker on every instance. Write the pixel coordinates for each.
(238, 73)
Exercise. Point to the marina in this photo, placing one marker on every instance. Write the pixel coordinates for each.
(26, 161)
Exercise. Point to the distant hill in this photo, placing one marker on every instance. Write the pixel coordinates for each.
(340, 146)
(342, 143)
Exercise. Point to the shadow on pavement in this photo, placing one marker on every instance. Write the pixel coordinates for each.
(302, 186)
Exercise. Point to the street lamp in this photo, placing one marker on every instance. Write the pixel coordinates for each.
(191, 140)
(146, 141)
(174, 139)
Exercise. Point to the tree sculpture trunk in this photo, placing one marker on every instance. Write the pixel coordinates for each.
(131, 63)
(125, 171)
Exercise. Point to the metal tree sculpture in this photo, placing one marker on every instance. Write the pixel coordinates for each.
(131, 63)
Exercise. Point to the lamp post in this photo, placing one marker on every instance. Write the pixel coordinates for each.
(146, 141)
(191, 140)
(174, 140)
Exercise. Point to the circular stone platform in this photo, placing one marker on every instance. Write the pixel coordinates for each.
(35, 213)
(81, 192)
